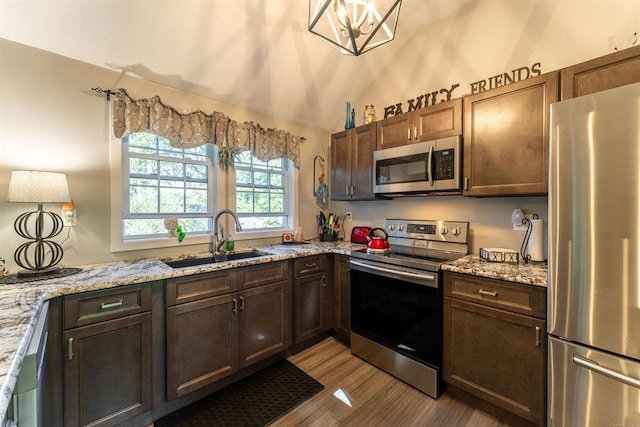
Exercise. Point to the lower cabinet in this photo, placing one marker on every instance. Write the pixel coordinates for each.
(108, 361)
(342, 292)
(214, 336)
(494, 343)
(313, 297)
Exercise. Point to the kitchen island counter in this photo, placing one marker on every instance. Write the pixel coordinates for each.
(20, 303)
(533, 273)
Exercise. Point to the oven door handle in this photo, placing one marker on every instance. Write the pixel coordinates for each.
(421, 277)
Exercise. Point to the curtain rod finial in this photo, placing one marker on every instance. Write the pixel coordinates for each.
(101, 91)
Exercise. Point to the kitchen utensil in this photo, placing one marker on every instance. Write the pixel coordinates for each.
(378, 242)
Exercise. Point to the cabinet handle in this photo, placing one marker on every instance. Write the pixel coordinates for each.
(310, 265)
(538, 342)
(235, 306)
(415, 132)
(466, 183)
(346, 190)
(488, 293)
(324, 282)
(70, 349)
(409, 134)
(111, 305)
(241, 303)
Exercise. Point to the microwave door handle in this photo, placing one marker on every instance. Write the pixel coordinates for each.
(430, 167)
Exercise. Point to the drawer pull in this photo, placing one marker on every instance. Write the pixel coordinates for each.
(70, 348)
(324, 282)
(538, 342)
(409, 134)
(242, 303)
(310, 265)
(111, 305)
(235, 306)
(488, 293)
(415, 133)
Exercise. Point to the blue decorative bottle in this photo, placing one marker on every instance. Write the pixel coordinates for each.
(348, 124)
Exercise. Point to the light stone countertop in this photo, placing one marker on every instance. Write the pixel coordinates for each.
(533, 273)
(21, 303)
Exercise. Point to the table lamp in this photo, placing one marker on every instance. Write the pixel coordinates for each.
(38, 256)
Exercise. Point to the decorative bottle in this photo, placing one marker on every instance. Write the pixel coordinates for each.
(347, 122)
(353, 118)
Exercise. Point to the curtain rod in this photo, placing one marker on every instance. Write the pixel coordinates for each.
(101, 91)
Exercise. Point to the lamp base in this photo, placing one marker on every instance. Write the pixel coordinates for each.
(61, 272)
(22, 274)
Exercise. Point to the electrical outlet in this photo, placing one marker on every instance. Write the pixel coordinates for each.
(348, 217)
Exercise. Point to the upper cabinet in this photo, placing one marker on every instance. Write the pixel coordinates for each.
(437, 121)
(506, 138)
(606, 72)
(352, 163)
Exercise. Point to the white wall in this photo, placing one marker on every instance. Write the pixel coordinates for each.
(50, 120)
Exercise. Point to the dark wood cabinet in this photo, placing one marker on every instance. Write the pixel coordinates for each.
(352, 163)
(313, 297)
(506, 138)
(342, 302)
(494, 343)
(232, 319)
(107, 360)
(606, 72)
(426, 124)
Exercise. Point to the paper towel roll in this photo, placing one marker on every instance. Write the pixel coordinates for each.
(535, 247)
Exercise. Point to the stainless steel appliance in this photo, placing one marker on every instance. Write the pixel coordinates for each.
(594, 260)
(396, 300)
(424, 167)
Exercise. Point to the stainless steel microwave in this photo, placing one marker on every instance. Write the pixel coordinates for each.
(424, 167)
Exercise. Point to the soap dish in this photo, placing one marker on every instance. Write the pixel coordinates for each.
(499, 255)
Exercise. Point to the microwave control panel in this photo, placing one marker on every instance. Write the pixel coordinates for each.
(444, 164)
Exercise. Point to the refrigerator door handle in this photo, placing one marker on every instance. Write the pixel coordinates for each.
(595, 367)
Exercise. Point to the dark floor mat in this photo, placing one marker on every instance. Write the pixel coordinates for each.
(254, 401)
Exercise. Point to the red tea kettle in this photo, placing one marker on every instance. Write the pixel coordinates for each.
(378, 242)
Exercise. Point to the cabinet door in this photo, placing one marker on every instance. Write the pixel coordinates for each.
(395, 131)
(497, 356)
(107, 371)
(506, 138)
(340, 166)
(364, 144)
(202, 343)
(342, 307)
(438, 121)
(607, 72)
(311, 299)
(264, 321)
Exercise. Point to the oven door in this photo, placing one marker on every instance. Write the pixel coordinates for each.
(399, 308)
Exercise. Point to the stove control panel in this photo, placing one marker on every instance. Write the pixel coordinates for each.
(444, 231)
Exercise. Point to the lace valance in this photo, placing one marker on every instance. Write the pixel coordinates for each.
(186, 130)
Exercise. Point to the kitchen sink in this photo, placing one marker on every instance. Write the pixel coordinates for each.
(234, 256)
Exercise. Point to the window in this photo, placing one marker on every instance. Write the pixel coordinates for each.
(159, 181)
(263, 193)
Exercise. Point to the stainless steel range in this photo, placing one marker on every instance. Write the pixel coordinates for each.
(396, 300)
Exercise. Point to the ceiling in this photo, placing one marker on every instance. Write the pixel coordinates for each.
(253, 53)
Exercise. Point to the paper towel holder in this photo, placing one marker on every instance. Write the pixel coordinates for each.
(526, 257)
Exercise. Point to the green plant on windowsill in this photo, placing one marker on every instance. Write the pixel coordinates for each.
(227, 157)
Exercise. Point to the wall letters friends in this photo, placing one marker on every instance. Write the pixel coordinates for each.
(444, 94)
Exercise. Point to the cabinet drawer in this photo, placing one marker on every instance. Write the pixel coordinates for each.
(261, 274)
(193, 288)
(517, 298)
(310, 264)
(92, 307)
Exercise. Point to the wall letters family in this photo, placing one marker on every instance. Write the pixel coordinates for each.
(444, 94)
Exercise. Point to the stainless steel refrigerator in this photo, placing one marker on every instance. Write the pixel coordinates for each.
(594, 260)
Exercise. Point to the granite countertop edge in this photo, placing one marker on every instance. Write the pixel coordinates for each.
(532, 273)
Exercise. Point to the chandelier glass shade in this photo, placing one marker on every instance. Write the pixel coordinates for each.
(354, 27)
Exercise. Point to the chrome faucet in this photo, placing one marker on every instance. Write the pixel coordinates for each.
(220, 240)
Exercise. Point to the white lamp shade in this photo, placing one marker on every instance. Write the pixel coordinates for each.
(38, 187)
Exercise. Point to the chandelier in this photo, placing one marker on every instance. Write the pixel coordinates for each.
(354, 26)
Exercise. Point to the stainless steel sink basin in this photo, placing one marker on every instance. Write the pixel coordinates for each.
(191, 262)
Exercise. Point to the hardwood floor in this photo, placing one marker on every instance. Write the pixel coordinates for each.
(358, 394)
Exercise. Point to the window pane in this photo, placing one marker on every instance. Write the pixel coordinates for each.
(171, 169)
(171, 201)
(196, 201)
(143, 200)
(243, 177)
(277, 180)
(260, 178)
(143, 227)
(277, 202)
(139, 166)
(196, 171)
(244, 202)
